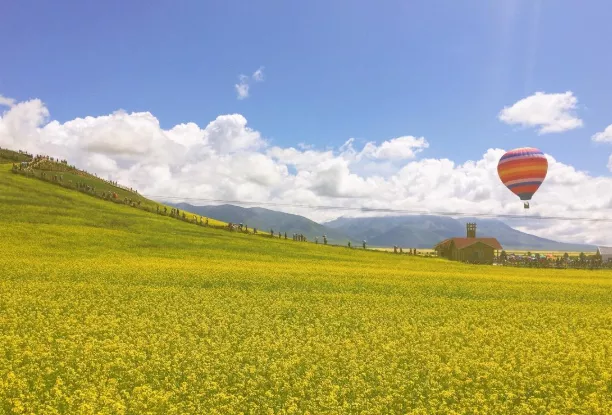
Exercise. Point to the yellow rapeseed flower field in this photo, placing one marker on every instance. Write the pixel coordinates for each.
(105, 309)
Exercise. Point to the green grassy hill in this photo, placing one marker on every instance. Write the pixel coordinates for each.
(61, 174)
(105, 308)
(11, 156)
(69, 177)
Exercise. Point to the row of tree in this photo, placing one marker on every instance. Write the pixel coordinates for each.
(537, 260)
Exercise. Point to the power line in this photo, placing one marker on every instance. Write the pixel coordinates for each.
(386, 210)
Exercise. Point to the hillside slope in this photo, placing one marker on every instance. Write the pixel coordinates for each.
(71, 178)
(105, 308)
(11, 156)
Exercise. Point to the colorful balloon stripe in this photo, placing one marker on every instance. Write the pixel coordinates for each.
(536, 183)
(523, 170)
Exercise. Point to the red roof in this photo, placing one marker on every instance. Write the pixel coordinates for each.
(461, 243)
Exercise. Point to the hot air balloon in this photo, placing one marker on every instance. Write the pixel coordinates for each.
(523, 170)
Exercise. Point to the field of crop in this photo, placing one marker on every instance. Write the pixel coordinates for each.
(109, 309)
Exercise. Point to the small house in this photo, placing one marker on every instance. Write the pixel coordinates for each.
(470, 248)
(605, 252)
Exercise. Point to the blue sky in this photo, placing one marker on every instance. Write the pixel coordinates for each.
(333, 70)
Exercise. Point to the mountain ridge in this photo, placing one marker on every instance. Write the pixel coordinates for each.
(266, 219)
(434, 229)
(409, 231)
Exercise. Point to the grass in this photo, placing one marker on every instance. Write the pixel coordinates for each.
(71, 178)
(108, 309)
(10, 156)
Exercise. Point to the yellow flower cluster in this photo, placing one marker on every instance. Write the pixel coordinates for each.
(108, 310)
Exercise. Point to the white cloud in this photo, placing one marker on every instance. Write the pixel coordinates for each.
(242, 88)
(228, 160)
(552, 113)
(604, 136)
(7, 102)
(258, 75)
(400, 148)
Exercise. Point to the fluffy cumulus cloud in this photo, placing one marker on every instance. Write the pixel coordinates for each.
(399, 148)
(551, 113)
(228, 160)
(604, 136)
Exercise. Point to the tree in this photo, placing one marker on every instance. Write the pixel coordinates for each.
(597, 256)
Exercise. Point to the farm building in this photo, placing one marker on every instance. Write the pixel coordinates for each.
(470, 248)
(605, 252)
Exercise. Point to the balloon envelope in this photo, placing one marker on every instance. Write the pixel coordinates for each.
(523, 170)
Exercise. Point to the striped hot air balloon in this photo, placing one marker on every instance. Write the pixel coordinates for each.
(523, 170)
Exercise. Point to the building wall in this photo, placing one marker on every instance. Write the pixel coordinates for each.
(604, 257)
(478, 252)
(446, 252)
(484, 253)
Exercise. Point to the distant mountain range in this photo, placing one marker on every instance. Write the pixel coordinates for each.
(425, 231)
(266, 219)
(412, 231)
